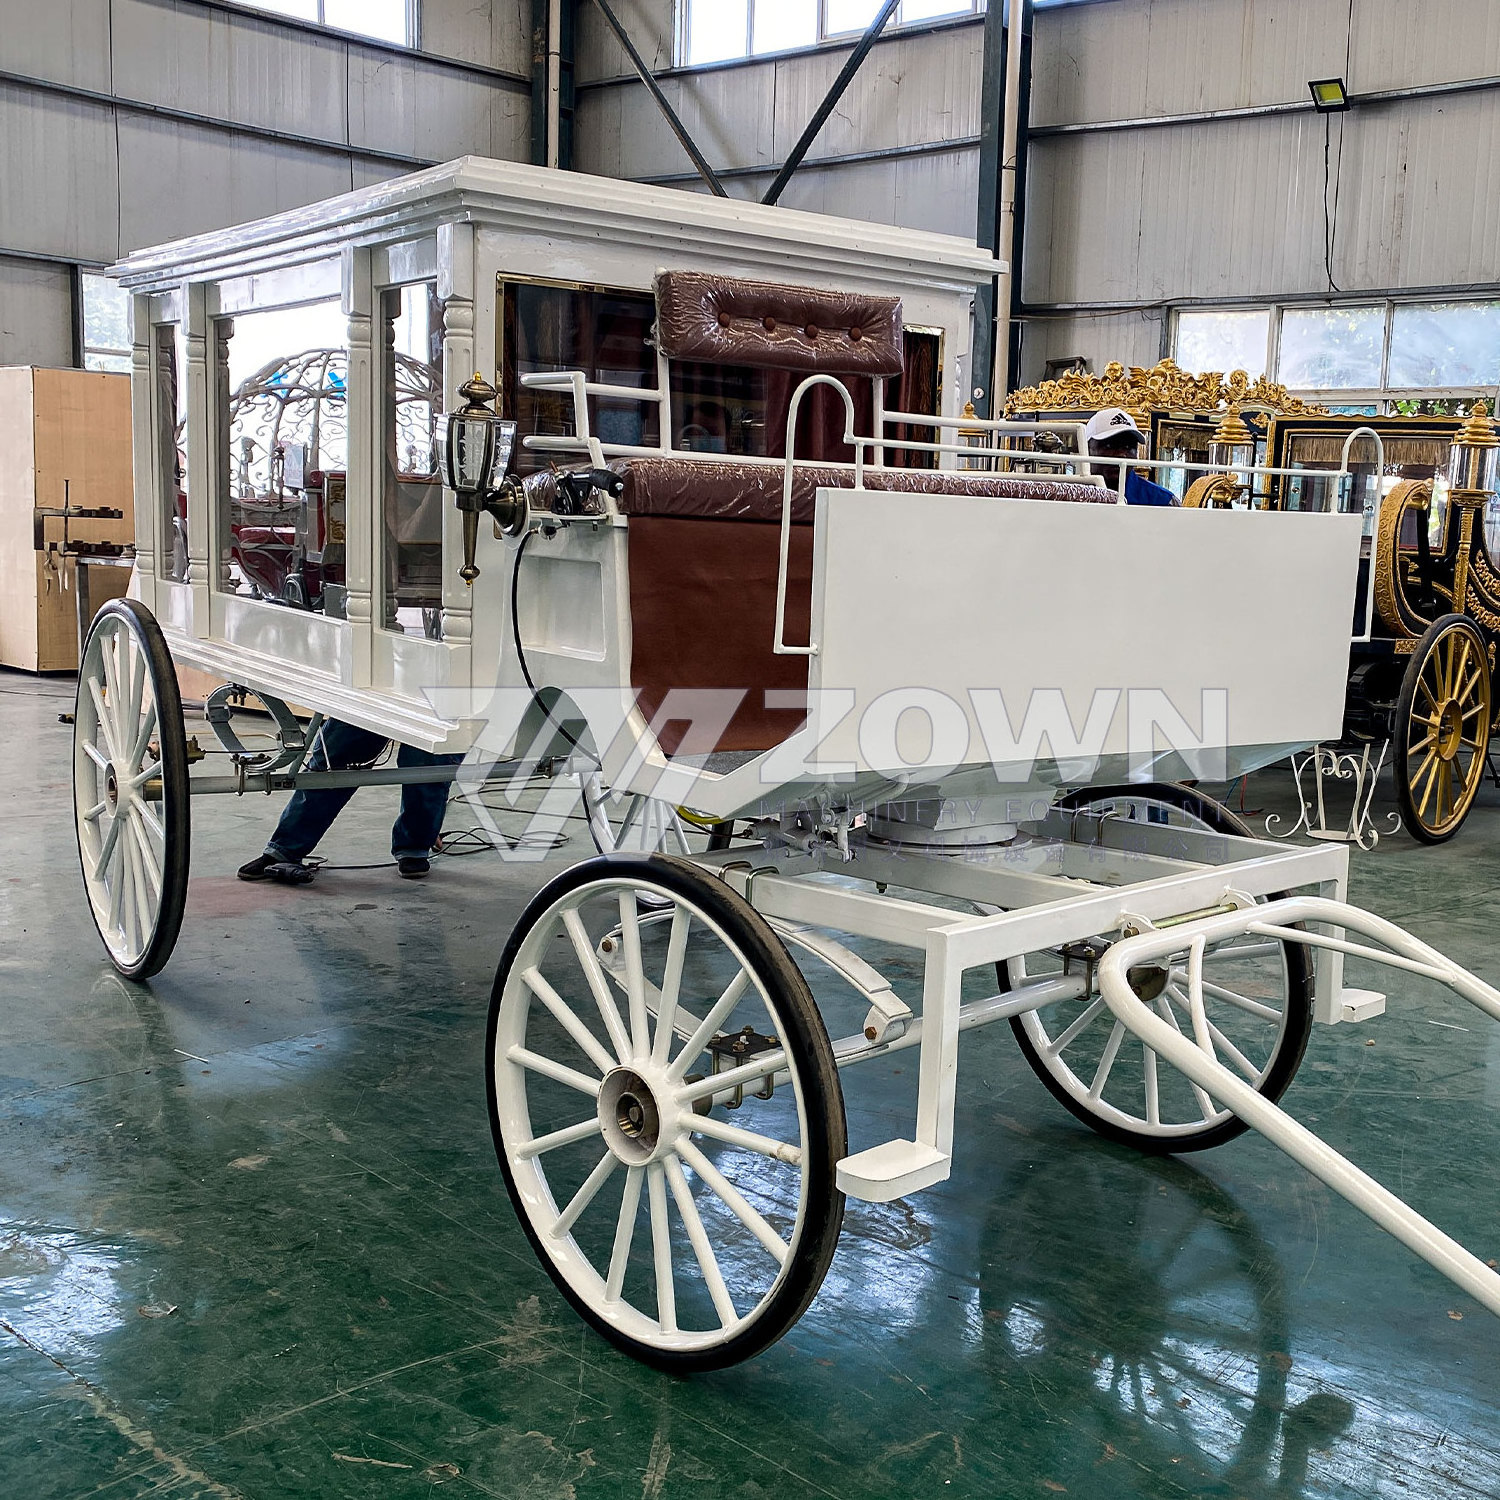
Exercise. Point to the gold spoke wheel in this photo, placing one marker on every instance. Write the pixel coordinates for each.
(1443, 729)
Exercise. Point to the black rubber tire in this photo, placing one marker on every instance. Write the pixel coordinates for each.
(1299, 969)
(805, 1038)
(176, 801)
(1411, 817)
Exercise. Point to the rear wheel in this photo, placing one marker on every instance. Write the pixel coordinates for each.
(1258, 996)
(666, 1111)
(130, 788)
(1443, 729)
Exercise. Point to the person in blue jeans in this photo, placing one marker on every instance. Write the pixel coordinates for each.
(1112, 433)
(310, 814)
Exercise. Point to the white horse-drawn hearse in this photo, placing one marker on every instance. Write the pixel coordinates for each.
(705, 534)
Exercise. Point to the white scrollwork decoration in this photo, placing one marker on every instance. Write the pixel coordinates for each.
(1327, 763)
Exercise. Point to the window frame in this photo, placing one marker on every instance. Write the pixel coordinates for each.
(823, 37)
(1385, 395)
(320, 22)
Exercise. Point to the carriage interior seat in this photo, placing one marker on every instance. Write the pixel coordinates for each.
(705, 535)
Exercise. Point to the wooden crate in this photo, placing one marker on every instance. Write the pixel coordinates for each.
(56, 426)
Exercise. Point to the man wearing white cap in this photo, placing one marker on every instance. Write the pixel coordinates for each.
(1112, 433)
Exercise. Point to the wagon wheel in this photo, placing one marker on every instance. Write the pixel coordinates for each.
(1258, 994)
(130, 788)
(1443, 729)
(602, 1115)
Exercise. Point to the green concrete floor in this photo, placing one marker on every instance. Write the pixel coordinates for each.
(253, 1240)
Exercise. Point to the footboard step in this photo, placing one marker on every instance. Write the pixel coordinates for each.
(892, 1171)
(1360, 1005)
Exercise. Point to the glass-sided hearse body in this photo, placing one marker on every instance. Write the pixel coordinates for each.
(725, 548)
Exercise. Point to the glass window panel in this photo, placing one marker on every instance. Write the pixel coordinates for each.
(169, 412)
(1331, 348)
(106, 318)
(383, 19)
(114, 364)
(782, 24)
(282, 409)
(929, 10)
(1223, 341)
(851, 15)
(1445, 343)
(411, 397)
(716, 30)
(299, 10)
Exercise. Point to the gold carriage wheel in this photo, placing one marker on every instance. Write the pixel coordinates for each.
(1443, 729)
(1211, 492)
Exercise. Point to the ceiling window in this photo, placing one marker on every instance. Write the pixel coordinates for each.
(106, 323)
(382, 20)
(711, 31)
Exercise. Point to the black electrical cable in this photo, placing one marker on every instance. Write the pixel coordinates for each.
(1329, 226)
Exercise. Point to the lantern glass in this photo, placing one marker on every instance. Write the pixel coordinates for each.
(505, 447)
(1471, 468)
(468, 446)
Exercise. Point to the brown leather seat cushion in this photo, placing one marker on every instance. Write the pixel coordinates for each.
(732, 491)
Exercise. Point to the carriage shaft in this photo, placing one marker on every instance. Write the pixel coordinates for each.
(307, 781)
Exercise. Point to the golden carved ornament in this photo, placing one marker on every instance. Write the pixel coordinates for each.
(1231, 431)
(1410, 494)
(1165, 387)
(1212, 492)
(1478, 431)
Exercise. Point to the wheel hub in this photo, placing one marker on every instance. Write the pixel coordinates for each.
(111, 788)
(635, 1126)
(1450, 729)
(1147, 980)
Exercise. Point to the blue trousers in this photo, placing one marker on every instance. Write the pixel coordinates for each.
(309, 815)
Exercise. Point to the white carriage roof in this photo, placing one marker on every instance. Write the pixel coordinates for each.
(529, 200)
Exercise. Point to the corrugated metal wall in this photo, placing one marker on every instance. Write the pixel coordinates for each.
(916, 103)
(128, 122)
(1233, 207)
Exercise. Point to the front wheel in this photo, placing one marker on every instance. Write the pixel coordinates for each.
(1443, 729)
(666, 1111)
(130, 788)
(1258, 995)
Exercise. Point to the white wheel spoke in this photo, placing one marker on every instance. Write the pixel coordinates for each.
(766, 1065)
(116, 888)
(1204, 1102)
(1231, 997)
(708, 1027)
(1056, 1047)
(635, 978)
(661, 1248)
(558, 1072)
(147, 815)
(734, 1200)
(149, 864)
(92, 813)
(586, 1194)
(764, 1145)
(139, 893)
(1107, 1061)
(707, 1262)
(138, 748)
(1234, 1054)
(1153, 1096)
(594, 972)
(110, 845)
(619, 1257)
(101, 714)
(563, 1013)
(539, 1145)
(96, 755)
(671, 985)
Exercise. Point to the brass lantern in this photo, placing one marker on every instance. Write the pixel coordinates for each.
(1233, 444)
(1471, 466)
(974, 438)
(476, 447)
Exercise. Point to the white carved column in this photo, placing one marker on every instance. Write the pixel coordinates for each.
(208, 456)
(456, 288)
(147, 475)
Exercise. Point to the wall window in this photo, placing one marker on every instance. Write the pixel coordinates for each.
(1370, 357)
(106, 323)
(1224, 341)
(382, 20)
(710, 31)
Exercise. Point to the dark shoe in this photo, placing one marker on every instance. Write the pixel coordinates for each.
(413, 866)
(257, 867)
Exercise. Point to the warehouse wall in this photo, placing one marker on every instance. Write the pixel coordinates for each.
(127, 122)
(1129, 216)
(912, 114)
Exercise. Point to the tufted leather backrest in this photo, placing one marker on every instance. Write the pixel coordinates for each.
(726, 321)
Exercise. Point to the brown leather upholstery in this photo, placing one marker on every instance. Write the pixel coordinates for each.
(726, 321)
(752, 492)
